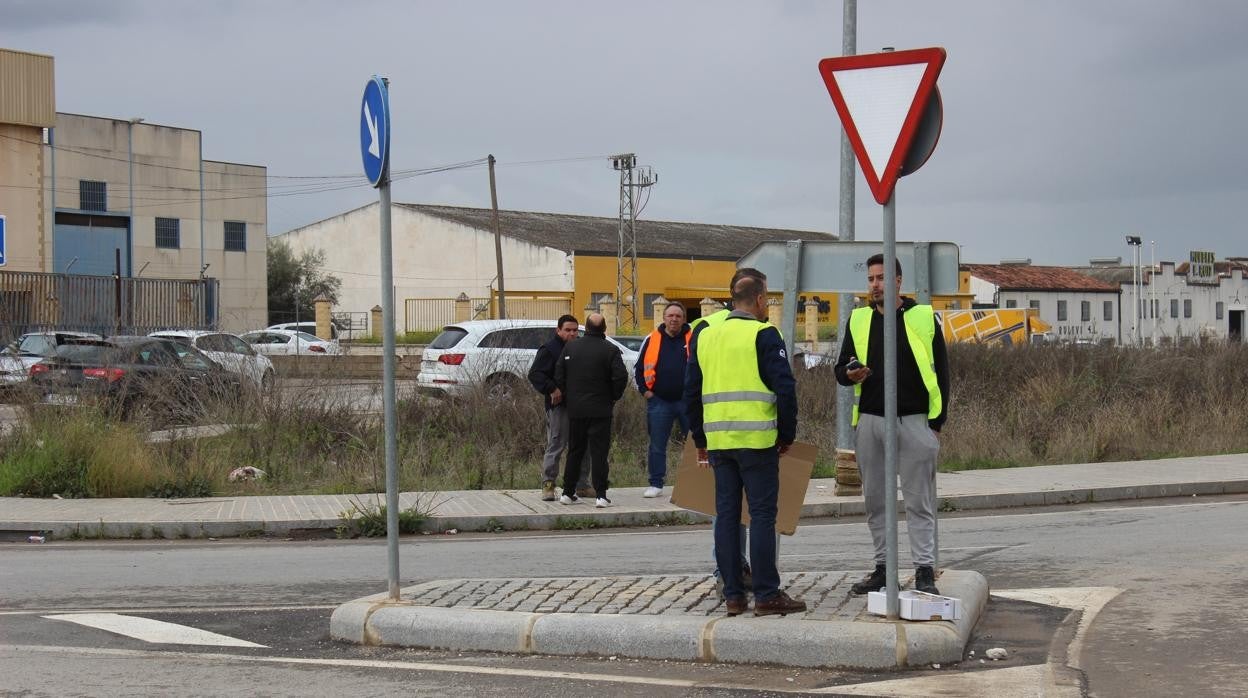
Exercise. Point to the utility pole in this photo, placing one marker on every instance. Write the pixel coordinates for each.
(845, 301)
(626, 259)
(498, 246)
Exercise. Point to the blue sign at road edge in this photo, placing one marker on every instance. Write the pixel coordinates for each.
(3, 255)
(375, 130)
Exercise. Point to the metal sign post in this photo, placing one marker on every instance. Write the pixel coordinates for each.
(890, 404)
(891, 116)
(375, 151)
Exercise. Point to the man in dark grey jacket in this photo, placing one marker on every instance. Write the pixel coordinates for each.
(591, 376)
(542, 377)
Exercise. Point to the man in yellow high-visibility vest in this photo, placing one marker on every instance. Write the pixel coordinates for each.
(922, 403)
(743, 415)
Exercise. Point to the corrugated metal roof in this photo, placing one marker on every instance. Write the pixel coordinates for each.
(1115, 275)
(27, 89)
(1025, 277)
(599, 235)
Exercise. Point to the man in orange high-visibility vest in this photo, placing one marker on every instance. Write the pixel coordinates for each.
(660, 376)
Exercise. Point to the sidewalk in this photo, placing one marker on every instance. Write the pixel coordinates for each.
(676, 617)
(523, 509)
(670, 617)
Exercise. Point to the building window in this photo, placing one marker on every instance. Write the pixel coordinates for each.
(1219, 309)
(168, 233)
(1187, 307)
(1156, 308)
(1061, 311)
(92, 196)
(647, 305)
(235, 236)
(1109, 310)
(1033, 304)
(1174, 307)
(1011, 303)
(598, 297)
(1085, 310)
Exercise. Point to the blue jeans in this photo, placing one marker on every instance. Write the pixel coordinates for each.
(660, 416)
(757, 471)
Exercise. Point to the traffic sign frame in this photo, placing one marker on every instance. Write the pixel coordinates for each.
(375, 131)
(882, 177)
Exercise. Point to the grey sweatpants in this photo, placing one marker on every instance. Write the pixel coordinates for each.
(917, 447)
(557, 431)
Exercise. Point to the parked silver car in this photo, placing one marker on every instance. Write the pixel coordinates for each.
(28, 350)
(230, 352)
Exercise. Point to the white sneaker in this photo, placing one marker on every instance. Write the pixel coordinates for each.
(602, 503)
(568, 499)
(652, 492)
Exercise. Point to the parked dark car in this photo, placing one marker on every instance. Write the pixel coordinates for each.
(158, 379)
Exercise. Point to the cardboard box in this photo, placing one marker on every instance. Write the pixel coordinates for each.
(695, 487)
(916, 605)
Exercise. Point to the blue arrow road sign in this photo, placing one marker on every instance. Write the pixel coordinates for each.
(375, 130)
(2, 247)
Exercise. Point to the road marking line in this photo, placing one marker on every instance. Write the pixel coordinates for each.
(171, 609)
(971, 515)
(1011, 681)
(154, 631)
(943, 550)
(381, 664)
(1088, 600)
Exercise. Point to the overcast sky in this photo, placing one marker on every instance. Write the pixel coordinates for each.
(1068, 123)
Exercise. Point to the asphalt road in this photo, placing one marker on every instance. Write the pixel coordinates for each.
(1175, 628)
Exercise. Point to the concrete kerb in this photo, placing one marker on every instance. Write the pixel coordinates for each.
(593, 518)
(868, 642)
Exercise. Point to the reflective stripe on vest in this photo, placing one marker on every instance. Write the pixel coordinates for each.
(920, 324)
(650, 362)
(738, 410)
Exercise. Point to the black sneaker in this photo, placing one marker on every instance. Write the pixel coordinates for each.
(873, 582)
(925, 580)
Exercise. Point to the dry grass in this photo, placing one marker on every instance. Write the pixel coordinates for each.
(1010, 407)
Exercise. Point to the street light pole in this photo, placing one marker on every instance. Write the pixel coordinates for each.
(130, 183)
(1134, 241)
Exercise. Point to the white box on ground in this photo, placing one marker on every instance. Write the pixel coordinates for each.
(916, 605)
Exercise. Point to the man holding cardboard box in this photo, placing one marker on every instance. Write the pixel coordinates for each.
(742, 402)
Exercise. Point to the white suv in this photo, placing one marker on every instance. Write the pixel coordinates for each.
(494, 354)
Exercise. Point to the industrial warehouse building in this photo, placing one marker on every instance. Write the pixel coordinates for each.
(84, 195)
(551, 262)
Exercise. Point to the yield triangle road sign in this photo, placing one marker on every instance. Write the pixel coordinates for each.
(880, 98)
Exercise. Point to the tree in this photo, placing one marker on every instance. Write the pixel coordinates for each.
(296, 281)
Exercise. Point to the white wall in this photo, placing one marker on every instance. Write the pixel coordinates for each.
(1074, 328)
(1166, 286)
(433, 258)
(167, 185)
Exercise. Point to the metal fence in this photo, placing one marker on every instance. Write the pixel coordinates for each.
(106, 305)
(351, 324)
(428, 314)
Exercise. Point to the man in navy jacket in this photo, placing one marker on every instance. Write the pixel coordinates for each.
(660, 377)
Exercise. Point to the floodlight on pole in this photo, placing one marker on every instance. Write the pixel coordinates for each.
(1135, 242)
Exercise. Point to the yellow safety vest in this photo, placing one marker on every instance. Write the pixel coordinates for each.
(738, 409)
(920, 324)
